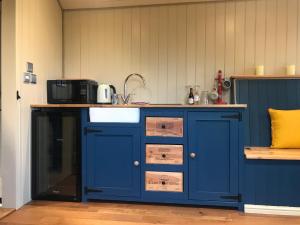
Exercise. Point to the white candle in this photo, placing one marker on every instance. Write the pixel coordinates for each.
(291, 70)
(260, 70)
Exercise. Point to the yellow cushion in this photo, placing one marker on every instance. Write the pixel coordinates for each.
(285, 128)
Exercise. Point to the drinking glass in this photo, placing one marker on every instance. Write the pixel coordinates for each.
(204, 98)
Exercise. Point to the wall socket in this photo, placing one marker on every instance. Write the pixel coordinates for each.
(27, 77)
(33, 78)
(30, 78)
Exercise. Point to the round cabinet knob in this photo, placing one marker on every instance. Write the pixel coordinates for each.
(193, 155)
(136, 163)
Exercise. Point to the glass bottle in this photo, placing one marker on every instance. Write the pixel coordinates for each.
(196, 95)
(191, 97)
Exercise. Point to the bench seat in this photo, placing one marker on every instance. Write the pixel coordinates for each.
(272, 153)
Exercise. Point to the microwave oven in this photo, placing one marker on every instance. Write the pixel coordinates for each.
(72, 91)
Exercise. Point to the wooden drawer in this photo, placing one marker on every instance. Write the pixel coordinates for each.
(164, 181)
(164, 154)
(164, 126)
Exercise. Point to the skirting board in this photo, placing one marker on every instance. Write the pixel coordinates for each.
(272, 210)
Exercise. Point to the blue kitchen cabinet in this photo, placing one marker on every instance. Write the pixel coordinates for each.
(213, 156)
(114, 158)
(112, 162)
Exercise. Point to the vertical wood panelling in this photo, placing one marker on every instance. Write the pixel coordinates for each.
(260, 32)
(126, 40)
(191, 45)
(183, 45)
(210, 53)
(281, 34)
(239, 63)
(93, 50)
(250, 21)
(38, 40)
(172, 45)
(136, 40)
(109, 45)
(118, 49)
(298, 39)
(98, 34)
(162, 55)
(178, 45)
(72, 56)
(230, 38)
(220, 35)
(145, 54)
(200, 49)
(151, 90)
(292, 23)
(85, 41)
(270, 37)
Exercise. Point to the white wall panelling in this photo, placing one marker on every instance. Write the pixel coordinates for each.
(9, 108)
(33, 33)
(178, 45)
(41, 23)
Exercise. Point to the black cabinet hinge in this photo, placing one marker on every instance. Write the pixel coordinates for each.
(237, 116)
(88, 190)
(232, 197)
(91, 130)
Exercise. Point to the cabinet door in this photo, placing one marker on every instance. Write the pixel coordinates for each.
(56, 154)
(213, 156)
(113, 156)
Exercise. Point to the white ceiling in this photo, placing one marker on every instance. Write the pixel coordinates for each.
(92, 4)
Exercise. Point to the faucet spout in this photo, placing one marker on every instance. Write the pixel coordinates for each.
(126, 96)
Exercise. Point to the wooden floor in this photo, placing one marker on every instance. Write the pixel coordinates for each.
(5, 212)
(61, 213)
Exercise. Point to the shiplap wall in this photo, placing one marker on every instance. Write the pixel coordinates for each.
(38, 40)
(178, 45)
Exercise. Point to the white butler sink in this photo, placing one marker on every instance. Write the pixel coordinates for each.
(115, 115)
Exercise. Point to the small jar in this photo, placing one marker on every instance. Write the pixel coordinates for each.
(204, 98)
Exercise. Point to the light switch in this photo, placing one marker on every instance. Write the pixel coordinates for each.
(29, 67)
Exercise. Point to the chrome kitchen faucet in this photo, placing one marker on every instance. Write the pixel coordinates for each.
(126, 97)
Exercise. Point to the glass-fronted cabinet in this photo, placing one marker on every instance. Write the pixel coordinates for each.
(56, 154)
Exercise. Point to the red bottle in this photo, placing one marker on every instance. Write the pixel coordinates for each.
(219, 80)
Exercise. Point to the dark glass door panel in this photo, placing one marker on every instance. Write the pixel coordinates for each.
(56, 155)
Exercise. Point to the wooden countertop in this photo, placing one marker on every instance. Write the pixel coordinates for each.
(261, 77)
(272, 153)
(136, 106)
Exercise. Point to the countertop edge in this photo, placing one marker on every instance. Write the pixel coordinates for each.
(135, 106)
